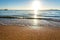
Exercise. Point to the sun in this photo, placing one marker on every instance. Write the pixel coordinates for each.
(35, 7)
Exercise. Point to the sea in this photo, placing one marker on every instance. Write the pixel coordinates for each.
(44, 18)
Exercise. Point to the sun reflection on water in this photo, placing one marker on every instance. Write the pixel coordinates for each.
(35, 22)
(35, 6)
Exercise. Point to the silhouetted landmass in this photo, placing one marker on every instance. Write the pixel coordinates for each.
(32, 10)
(5, 9)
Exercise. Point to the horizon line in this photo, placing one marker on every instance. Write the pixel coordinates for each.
(29, 9)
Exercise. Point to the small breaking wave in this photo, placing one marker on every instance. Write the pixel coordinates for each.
(23, 17)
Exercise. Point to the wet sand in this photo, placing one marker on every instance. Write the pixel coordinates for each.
(29, 33)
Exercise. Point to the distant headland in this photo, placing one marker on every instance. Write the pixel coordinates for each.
(32, 10)
(4, 9)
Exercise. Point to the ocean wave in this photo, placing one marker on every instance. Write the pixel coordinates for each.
(40, 18)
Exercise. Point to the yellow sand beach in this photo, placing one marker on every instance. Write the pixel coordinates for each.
(26, 33)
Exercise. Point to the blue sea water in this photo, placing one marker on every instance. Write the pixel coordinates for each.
(49, 18)
(21, 13)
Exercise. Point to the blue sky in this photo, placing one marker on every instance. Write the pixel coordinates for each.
(26, 4)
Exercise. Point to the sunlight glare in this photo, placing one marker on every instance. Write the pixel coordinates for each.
(35, 6)
(35, 22)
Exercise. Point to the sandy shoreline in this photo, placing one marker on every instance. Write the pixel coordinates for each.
(25, 33)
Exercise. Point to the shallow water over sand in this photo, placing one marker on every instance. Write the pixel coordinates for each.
(29, 22)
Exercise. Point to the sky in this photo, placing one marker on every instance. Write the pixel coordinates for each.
(27, 4)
